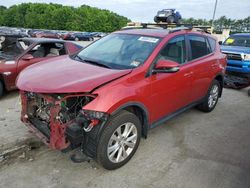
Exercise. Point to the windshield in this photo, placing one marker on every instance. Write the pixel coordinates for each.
(238, 41)
(119, 51)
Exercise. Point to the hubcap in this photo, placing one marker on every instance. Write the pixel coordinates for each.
(213, 96)
(122, 142)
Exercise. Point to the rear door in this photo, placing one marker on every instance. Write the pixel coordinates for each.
(202, 60)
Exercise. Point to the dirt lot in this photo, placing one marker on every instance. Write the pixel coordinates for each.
(193, 150)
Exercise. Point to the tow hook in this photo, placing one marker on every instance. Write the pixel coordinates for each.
(91, 125)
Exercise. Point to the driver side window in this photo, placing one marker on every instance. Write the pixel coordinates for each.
(47, 50)
(175, 50)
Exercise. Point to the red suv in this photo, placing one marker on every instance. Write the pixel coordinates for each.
(106, 97)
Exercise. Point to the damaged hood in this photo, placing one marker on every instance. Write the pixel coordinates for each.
(65, 75)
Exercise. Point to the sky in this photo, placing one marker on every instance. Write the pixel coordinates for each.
(145, 10)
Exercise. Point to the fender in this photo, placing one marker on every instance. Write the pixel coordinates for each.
(146, 124)
(221, 81)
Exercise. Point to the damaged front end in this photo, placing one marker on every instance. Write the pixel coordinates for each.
(60, 121)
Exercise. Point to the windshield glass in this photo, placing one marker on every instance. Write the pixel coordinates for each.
(119, 51)
(238, 41)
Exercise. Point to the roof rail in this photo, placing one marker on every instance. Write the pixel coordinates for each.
(175, 27)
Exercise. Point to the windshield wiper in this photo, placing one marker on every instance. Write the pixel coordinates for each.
(91, 62)
(79, 58)
(96, 63)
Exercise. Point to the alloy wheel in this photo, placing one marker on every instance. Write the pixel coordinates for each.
(213, 96)
(122, 142)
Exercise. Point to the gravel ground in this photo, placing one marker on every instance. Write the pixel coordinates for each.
(193, 150)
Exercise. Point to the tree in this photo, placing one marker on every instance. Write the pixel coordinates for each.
(59, 17)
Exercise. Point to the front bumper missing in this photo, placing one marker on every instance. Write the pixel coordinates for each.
(55, 137)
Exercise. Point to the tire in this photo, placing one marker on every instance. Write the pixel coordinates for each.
(120, 152)
(156, 19)
(76, 39)
(211, 98)
(170, 19)
(1, 89)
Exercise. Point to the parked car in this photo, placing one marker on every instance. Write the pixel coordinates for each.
(64, 35)
(168, 15)
(28, 51)
(82, 36)
(237, 49)
(32, 32)
(110, 94)
(47, 34)
(98, 34)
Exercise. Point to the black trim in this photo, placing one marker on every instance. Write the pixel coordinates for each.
(145, 126)
(190, 54)
(171, 115)
(222, 84)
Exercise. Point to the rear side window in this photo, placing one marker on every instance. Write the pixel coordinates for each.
(212, 43)
(199, 46)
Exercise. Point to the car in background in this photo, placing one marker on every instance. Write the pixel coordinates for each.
(237, 49)
(28, 51)
(47, 34)
(168, 15)
(98, 34)
(103, 99)
(82, 36)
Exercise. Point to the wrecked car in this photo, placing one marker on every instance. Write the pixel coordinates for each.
(168, 15)
(24, 52)
(103, 99)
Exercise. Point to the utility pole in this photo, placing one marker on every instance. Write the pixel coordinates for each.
(215, 7)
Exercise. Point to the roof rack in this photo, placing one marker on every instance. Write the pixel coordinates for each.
(174, 27)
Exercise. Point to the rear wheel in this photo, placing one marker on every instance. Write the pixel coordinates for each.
(212, 97)
(119, 140)
(170, 19)
(1, 89)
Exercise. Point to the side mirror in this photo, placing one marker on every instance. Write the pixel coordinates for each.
(166, 66)
(220, 42)
(27, 57)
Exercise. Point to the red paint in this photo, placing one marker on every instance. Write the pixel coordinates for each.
(160, 93)
(21, 62)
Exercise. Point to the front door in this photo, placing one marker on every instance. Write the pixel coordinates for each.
(171, 91)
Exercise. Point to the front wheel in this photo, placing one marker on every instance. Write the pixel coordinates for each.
(119, 140)
(156, 19)
(212, 97)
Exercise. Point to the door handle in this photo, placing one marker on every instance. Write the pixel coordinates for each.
(189, 74)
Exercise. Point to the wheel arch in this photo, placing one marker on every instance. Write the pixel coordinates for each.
(220, 79)
(140, 111)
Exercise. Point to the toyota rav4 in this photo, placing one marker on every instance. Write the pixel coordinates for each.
(103, 99)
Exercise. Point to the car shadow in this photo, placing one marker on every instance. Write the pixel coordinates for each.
(9, 95)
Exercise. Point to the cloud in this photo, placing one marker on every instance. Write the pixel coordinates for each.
(145, 10)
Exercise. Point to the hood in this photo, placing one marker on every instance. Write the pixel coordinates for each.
(65, 75)
(236, 49)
